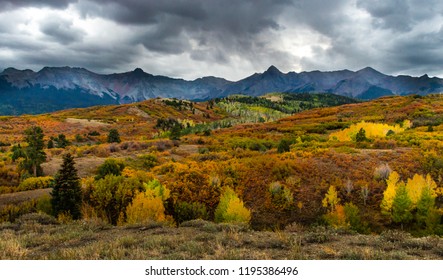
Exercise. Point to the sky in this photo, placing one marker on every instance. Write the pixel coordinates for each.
(224, 38)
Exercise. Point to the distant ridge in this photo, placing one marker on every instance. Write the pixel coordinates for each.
(55, 88)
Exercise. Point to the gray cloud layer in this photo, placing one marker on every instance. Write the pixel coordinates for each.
(226, 38)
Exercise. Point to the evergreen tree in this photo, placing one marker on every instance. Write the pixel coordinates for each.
(114, 136)
(50, 144)
(61, 141)
(175, 132)
(33, 154)
(361, 135)
(67, 193)
(401, 206)
(425, 205)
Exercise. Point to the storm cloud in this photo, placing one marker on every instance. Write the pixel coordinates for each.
(231, 39)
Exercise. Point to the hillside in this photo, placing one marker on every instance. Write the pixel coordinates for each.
(58, 88)
(330, 166)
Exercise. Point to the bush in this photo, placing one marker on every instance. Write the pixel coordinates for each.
(149, 161)
(10, 212)
(231, 210)
(40, 218)
(185, 211)
(382, 172)
(281, 196)
(145, 207)
(35, 183)
(109, 167)
(284, 146)
(111, 195)
(44, 205)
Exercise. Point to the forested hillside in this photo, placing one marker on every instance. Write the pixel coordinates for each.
(264, 163)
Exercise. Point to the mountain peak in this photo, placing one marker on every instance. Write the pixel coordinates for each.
(138, 71)
(368, 70)
(10, 70)
(273, 70)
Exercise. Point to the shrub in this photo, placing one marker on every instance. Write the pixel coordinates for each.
(382, 172)
(110, 166)
(149, 161)
(231, 210)
(145, 207)
(284, 146)
(336, 218)
(34, 183)
(158, 189)
(111, 195)
(10, 212)
(40, 218)
(281, 197)
(44, 205)
(185, 211)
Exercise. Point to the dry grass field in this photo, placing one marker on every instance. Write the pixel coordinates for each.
(38, 236)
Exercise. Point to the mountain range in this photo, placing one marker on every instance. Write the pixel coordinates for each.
(56, 88)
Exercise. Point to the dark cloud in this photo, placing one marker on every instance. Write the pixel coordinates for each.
(174, 27)
(62, 31)
(418, 53)
(12, 4)
(211, 36)
(93, 57)
(389, 14)
(142, 12)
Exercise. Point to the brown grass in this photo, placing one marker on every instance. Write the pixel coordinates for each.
(86, 166)
(19, 197)
(36, 236)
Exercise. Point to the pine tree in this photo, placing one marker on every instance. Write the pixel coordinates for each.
(114, 136)
(401, 206)
(61, 141)
(425, 205)
(67, 193)
(175, 132)
(50, 144)
(361, 135)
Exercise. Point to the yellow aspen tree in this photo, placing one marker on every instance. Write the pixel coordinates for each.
(331, 199)
(389, 193)
(414, 187)
(231, 209)
(145, 207)
(432, 186)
